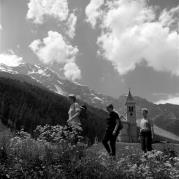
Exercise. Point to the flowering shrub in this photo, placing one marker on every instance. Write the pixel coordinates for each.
(154, 164)
(57, 134)
(53, 150)
(57, 152)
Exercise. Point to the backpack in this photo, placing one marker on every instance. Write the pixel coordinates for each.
(83, 112)
(120, 127)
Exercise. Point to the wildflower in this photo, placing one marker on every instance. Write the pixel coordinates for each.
(176, 159)
(177, 165)
(167, 164)
(134, 167)
(127, 147)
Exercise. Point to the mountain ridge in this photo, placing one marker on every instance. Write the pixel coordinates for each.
(52, 80)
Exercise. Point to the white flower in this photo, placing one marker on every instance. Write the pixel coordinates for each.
(167, 164)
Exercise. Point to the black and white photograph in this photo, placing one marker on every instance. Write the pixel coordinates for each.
(89, 89)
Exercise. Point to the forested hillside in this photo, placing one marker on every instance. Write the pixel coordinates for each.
(26, 105)
(164, 116)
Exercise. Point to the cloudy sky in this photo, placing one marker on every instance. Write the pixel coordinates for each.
(109, 45)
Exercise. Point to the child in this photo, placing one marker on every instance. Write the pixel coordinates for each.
(146, 132)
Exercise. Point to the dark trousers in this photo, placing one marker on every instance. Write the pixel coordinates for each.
(109, 137)
(146, 140)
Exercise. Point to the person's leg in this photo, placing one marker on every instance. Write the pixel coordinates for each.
(143, 143)
(105, 142)
(113, 144)
(149, 141)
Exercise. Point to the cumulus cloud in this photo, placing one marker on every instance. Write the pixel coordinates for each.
(72, 71)
(170, 99)
(93, 11)
(10, 59)
(38, 10)
(131, 33)
(170, 17)
(54, 48)
(71, 25)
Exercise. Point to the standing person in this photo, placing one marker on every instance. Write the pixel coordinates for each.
(74, 113)
(146, 132)
(112, 131)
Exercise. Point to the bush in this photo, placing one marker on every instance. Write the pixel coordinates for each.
(56, 152)
(54, 149)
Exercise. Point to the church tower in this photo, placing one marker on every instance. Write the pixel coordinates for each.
(131, 118)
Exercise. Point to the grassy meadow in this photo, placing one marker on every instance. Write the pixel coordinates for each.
(123, 149)
(57, 153)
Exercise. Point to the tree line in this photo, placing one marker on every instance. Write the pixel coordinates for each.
(24, 105)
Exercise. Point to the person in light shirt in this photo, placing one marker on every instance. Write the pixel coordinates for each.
(146, 132)
(74, 112)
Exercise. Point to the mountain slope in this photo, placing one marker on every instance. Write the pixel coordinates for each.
(165, 134)
(164, 116)
(26, 105)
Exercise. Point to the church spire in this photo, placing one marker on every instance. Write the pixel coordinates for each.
(130, 98)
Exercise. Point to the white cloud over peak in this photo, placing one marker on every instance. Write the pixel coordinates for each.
(93, 11)
(71, 25)
(39, 9)
(170, 100)
(132, 33)
(10, 59)
(72, 71)
(54, 48)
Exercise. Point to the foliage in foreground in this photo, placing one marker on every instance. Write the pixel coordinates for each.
(56, 152)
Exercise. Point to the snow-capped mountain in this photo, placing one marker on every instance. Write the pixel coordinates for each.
(54, 82)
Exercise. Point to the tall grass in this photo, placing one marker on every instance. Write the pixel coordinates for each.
(56, 152)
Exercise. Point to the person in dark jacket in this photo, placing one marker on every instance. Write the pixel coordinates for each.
(112, 131)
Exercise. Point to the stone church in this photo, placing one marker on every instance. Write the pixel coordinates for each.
(129, 131)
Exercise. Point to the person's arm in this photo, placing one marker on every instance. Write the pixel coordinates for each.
(77, 109)
(117, 124)
(152, 128)
(74, 116)
(116, 127)
(140, 129)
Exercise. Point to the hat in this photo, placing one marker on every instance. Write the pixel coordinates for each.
(145, 109)
(110, 106)
(72, 96)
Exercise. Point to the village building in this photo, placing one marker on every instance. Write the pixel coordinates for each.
(129, 131)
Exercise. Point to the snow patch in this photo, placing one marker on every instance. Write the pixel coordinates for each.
(61, 83)
(79, 84)
(7, 69)
(36, 79)
(37, 66)
(40, 72)
(59, 90)
(98, 99)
